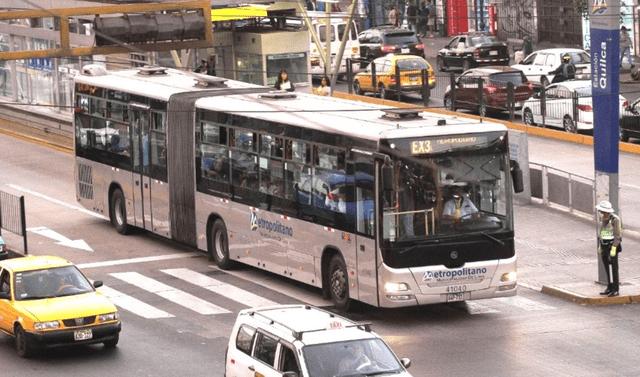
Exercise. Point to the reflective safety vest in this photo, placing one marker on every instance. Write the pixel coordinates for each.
(607, 231)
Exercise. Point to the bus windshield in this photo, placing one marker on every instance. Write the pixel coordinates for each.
(448, 186)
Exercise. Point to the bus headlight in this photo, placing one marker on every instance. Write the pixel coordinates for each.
(395, 287)
(509, 276)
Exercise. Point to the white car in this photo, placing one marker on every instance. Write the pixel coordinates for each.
(538, 64)
(559, 106)
(304, 341)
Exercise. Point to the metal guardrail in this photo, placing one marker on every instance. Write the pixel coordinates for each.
(573, 192)
(12, 216)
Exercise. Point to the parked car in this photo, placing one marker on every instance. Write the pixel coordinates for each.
(630, 122)
(387, 39)
(539, 63)
(305, 341)
(472, 50)
(560, 109)
(410, 68)
(45, 301)
(494, 93)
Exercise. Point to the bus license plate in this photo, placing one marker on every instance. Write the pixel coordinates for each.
(452, 297)
(82, 334)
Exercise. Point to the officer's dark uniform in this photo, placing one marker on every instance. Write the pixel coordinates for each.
(609, 246)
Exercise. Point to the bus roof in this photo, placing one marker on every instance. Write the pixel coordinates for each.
(341, 116)
(328, 114)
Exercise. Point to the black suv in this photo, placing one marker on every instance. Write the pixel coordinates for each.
(388, 39)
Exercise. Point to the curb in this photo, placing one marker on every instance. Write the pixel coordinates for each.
(556, 291)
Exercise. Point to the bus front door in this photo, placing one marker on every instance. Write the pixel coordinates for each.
(140, 121)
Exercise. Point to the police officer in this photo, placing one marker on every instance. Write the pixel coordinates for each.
(566, 70)
(609, 246)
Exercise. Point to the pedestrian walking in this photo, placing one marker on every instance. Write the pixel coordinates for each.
(625, 46)
(412, 17)
(393, 16)
(609, 246)
(432, 18)
(423, 19)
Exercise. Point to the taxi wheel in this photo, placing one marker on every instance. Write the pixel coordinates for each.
(118, 212)
(113, 342)
(357, 89)
(22, 343)
(384, 93)
(623, 135)
(219, 245)
(339, 283)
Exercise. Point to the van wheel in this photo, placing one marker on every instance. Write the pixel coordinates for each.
(118, 212)
(339, 283)
(218, 245)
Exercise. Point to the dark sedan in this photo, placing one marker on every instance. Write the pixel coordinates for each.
(495, 80)
(472, 50)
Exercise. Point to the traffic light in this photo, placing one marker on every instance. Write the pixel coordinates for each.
(149, 28)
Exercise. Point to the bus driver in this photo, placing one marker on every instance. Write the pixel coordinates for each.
(459, 205)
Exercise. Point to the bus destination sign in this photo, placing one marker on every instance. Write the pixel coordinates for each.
(441, 144)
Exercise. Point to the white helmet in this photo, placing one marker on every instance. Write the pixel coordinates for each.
(604, 206)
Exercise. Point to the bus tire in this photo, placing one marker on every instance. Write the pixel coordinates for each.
(118, 212)
(219, 245)
(339, 283)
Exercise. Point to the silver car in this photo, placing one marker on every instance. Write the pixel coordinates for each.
(538, 64)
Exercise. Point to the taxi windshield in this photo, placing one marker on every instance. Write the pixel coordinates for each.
(351, 358)
(49, 283)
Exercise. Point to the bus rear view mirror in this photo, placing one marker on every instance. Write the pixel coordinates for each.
(516, 177)
(387, 175)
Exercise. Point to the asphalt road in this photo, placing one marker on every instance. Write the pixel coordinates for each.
(529, 335)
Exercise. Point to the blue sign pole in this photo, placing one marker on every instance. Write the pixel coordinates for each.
(605, 82)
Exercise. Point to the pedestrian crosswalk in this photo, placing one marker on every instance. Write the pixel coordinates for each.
(198, 282)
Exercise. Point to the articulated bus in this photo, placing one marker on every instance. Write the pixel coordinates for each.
(349, 197)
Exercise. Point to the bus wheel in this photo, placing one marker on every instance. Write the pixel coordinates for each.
(118, 212)
(219, 245)
(339, 283)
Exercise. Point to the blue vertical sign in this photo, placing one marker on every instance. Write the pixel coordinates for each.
(605, 74)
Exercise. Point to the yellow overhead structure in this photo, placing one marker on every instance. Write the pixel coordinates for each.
(201, 39)
(238, 13)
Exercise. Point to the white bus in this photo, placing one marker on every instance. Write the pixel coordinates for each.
(341, 195)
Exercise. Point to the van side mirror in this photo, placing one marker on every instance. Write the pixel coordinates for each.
(387, 175)
(516, 176)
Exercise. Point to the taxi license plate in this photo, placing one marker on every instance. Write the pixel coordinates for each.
(82, 334)
(453, 297)
(415, 78)
(493, 52)
(405, 50)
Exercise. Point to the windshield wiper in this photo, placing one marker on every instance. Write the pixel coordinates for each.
(35, 298)
(492, 238)
(408, 249)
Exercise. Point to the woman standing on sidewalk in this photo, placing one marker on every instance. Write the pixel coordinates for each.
(625, 46)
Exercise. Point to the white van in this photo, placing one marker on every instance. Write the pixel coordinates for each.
(338, 26)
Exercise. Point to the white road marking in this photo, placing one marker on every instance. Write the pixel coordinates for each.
(187, 300)
(137, 260)
(56, 201)
(227, 290)
(133, 305)
(524, 303)
(473, 307)
(285, 289)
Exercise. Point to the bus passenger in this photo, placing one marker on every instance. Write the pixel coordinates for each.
(405, 203)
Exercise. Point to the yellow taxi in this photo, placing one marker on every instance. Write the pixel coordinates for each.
(410, 68)
(46, 301)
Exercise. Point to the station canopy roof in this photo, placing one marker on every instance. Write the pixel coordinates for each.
(239, 12)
